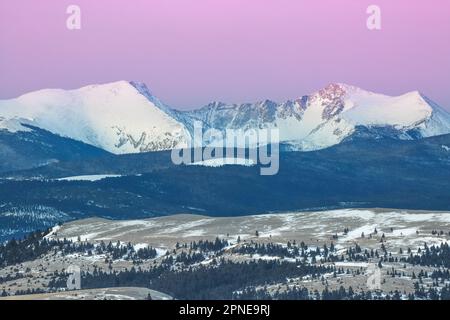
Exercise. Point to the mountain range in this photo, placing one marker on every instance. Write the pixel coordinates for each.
(125, 117)
(103, 150)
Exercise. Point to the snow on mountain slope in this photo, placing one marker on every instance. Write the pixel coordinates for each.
(12, 125)
(120, 117)
(124, 117)
(406, 111)
(330, 115)
(345, 107)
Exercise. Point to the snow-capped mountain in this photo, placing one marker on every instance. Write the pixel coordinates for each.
(120, 117)
(124, 117)
(330, 115)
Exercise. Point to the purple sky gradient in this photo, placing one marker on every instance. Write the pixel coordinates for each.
(190, 52)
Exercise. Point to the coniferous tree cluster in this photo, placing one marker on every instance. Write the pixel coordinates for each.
(204, 282)
(434, 256)
(207, 246)
(189, 258)
(29, 248)
(127, 252)
(270, 249)
(302, 293)
(35, 245)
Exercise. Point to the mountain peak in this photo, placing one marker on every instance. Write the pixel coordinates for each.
(331, 92)
(339, 90)
(115, 85)
(119, 117)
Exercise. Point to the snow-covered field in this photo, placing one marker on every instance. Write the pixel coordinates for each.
(401, 227)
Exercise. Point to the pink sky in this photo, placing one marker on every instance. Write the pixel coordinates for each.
(190, 52)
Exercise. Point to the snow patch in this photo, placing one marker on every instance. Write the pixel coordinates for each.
(93, 177)
(224, 161)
